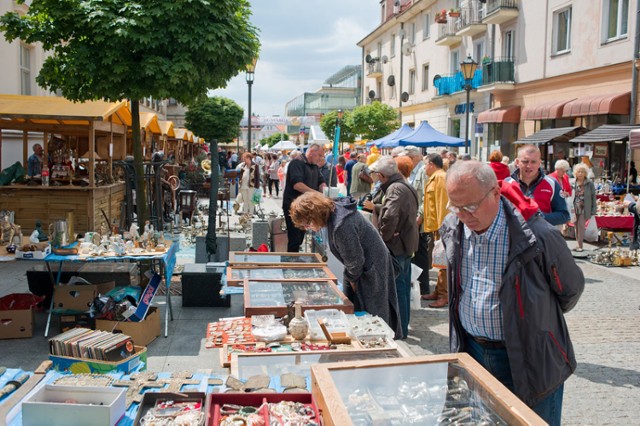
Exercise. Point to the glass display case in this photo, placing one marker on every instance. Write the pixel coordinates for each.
(236, 275)
(275, 297)
(425, 390)
(275, 258)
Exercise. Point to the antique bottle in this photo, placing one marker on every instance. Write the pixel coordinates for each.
(45, 174)
(298, 326)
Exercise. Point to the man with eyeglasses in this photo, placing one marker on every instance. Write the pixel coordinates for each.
(542, 188)
(435, 210)
(511, 279)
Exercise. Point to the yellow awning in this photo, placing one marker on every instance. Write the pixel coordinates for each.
(181, 134)
(166, 127)
(149, 121)
(57, 110)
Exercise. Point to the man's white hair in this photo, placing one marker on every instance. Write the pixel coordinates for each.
(385, 165)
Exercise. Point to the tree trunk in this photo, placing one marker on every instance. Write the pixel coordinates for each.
(210, 240)
(141, 193)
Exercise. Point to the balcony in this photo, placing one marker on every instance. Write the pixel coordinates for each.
(450, 84)
(500, 11)
(470, 22)
(447, 33)
(374, 69)
(498, 75)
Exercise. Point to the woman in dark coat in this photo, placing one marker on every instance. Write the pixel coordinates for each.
(369, 279)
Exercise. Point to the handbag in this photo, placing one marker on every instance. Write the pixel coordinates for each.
(257, 196)
(363, 176)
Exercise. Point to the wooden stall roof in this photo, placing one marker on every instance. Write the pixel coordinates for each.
(166, 127)
(183, 134)
(149, 121)
(18, 110)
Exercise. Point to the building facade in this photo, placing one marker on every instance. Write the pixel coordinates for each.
(541, 64)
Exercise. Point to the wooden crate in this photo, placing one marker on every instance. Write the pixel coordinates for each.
(275, 258)
(273, 273)
(331, 384)
(258, 295)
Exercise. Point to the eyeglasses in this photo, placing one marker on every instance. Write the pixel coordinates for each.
(470, 208)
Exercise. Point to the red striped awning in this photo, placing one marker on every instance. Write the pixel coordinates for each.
(545, 111)
(619, 103)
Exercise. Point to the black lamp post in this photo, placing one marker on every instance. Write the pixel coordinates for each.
(468, 67)
(251, 69)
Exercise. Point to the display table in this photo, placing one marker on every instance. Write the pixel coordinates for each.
(165, 261)
(615, 223)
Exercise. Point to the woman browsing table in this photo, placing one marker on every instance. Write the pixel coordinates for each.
(584, 201)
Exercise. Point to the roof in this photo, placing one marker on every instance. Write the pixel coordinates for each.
(545, 111)
(166, 127)
(560, 134)
(606, 133)
(619, 103)
(425, 135)
(53, 110)
(344, 73)
(149, 121)
(506, 114)
(393, 139)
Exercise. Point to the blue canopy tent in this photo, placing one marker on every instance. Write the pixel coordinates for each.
(425, 136)
(391, 140)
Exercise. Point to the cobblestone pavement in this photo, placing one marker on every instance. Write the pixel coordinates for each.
(605, 388)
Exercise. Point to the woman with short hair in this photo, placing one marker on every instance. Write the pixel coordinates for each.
(584, 201)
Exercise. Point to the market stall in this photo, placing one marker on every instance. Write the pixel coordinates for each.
(67, 131)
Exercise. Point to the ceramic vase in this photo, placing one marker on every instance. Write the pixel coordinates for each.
(298, 326)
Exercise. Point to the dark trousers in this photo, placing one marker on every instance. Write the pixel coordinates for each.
(403, 289)
(295, 236)
(275, 182)
(423, 260)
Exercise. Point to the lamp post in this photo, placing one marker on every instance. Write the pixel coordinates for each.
(251, 69)
(468, 67)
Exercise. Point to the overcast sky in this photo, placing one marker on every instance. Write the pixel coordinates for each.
(303, 43)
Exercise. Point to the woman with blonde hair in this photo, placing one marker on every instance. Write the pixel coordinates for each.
(369, 278)
(584, 201)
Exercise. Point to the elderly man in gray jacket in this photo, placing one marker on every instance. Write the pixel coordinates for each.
(511, 279)
(395, 208)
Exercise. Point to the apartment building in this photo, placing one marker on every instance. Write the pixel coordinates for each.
(541, 64)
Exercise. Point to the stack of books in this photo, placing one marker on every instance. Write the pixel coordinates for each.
(92, 344)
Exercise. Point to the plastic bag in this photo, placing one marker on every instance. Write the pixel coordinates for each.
(591, 231)
(257, 196)
(415, 295)
(571, 208)
(439, 258)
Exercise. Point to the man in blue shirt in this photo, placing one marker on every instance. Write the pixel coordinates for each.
(34, 162)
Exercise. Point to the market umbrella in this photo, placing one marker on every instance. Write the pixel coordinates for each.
(391, 140)
(284, 145)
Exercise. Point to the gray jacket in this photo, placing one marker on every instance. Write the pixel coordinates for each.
(590, 205)
(541, 282)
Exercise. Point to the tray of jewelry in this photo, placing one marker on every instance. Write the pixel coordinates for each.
(229, 331)
(237, 275)
(275, 258)
(272, 409)
(184, 408)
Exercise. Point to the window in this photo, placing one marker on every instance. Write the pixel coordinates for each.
(412, 81)
(379, 50)
(392, 46)
(508, 38)
(412, 33)
(478, 51)
(562, 31)
(616, 17)
(25, 70)
(455, 61)
(426, 30)
(425, 77)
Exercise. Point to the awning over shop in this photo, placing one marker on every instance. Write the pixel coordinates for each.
(18, 110)
(634, 139)
(507, 114)
(560, 134)
(619, 103)
(182, 134)
(166, 127)
(606, 133)
(546, 111)
(149, 121)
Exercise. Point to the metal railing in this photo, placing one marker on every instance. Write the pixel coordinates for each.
(374, 68)
(448, 29)
(471, 14)
(498, 70)
(448, 84)
(495, 5)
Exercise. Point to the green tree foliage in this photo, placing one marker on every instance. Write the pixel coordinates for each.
(328, 126)
(133, 49)
(374, 121)
(275, 138)
(214, 118)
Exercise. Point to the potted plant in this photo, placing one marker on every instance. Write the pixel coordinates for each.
(486, 60)
(454, 13)
(441, 17)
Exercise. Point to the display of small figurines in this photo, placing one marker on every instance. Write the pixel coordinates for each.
(615, 257)
(39, 233)
(8, 231)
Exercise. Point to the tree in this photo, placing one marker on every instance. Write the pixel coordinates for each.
(375, 120)
(328, 126)
(275, 138)
(214, 118)
(133, 49)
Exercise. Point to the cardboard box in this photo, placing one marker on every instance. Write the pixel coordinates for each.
(95, 406)
(78, 298)
(136, 362)
(69, 321)
(146, 298)
(150, 399)
(39, 254)
(16, 324)
(143, 332)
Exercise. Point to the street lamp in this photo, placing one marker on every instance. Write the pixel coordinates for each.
(468, 67)
(251, 69)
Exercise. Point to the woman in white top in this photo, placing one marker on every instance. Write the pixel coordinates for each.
(249, 175)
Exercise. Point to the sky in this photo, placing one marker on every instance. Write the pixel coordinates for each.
(303, 42)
